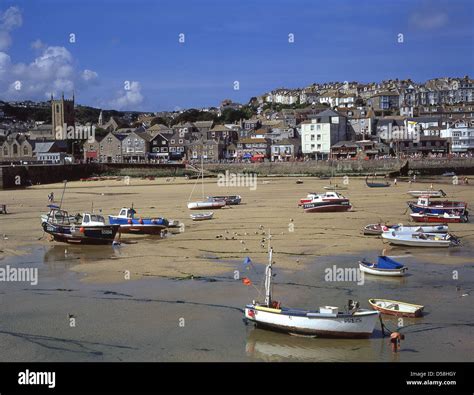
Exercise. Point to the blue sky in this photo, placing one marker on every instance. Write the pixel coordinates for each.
(225, 41)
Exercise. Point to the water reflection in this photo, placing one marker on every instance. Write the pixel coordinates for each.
(273, 346)
(69, 255)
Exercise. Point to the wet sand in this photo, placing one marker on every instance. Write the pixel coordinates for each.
(161, 314)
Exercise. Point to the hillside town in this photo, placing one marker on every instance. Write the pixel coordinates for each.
(334, 120)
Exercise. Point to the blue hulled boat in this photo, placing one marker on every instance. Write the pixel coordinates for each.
(129, 223)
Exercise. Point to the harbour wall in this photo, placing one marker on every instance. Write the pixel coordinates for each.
(19, 176)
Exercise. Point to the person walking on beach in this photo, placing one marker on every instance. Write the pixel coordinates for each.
(51, 197)
(395, 182)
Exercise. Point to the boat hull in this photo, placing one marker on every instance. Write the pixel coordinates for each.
(451, 219)
(82, 234)
(206, 205)
(431, 194)
(378, 229)
(149, 226)
(437, 208)
(407, 240)
(232, 200)
(327, 207)
(381, 272)
(358, 325)
(408, 310)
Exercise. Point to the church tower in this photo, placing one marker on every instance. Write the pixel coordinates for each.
(62, 113)
(101, 118)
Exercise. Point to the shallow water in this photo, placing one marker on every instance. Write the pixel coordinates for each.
(162, 319)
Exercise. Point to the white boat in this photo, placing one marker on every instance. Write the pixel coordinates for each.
(434, 194)
(206, 204)
(421, 239)
(201, 216)
(417, 229)
(385, 266)
(327, 321)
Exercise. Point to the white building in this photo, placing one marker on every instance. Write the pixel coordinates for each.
(461, 135)
(321, 132)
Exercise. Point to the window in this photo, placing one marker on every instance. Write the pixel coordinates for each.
(318, 137)
(319, 146)
(172, 141)
(5, 151)
(318, 127)
(15, 149)
(25, 150)
(57, 108)
(180, 141)
(312, 137)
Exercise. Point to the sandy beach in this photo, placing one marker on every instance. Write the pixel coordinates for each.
(212, 247)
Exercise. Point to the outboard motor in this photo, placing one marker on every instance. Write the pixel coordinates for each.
(353, 305)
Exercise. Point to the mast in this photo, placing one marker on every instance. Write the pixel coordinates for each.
(62, 196)
(268, 279)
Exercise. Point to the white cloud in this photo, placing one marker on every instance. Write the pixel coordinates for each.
(52, 71)
(89, 75)
(429, 19)
(11, 19)
(38, 44)
(128, 98)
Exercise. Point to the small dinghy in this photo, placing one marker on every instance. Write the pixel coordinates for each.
(421, 239)
(385, 266)
(378, 229)
(396, 308)
(201, 216)
(375, 184)
(327, 321)
(433, 194)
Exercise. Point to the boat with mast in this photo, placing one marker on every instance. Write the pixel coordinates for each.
(328, 321)
(204, 204)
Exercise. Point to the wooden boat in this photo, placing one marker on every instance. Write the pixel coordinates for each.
(230, 200)
(426, 206)
(373, 184)
(385, 266)
(396, 308)
(445, 217)
(129, 223)
(201, 216)
(432, 194)
(421, 239)
(327, 321)
(327, 202)
(378, 229)
(88, 229)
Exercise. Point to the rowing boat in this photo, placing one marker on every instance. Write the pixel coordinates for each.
(201, 216)
(396, 308)
(421, 239)
(385, 266)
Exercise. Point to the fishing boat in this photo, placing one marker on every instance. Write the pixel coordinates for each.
(396, 308)
(378, 229)
(129, 223)
(327, 202)
(374, 184)
(201, 216)
(421, 239)
(230, 200)
(327, 321)
(44, 217)
(87, 228)
(445, 217)
(426, 206)
(432, 194)
(385, 266)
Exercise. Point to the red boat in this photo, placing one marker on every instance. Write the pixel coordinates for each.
(445, 218)
(327, 202)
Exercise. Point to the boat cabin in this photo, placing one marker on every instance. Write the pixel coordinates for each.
(126, 212)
